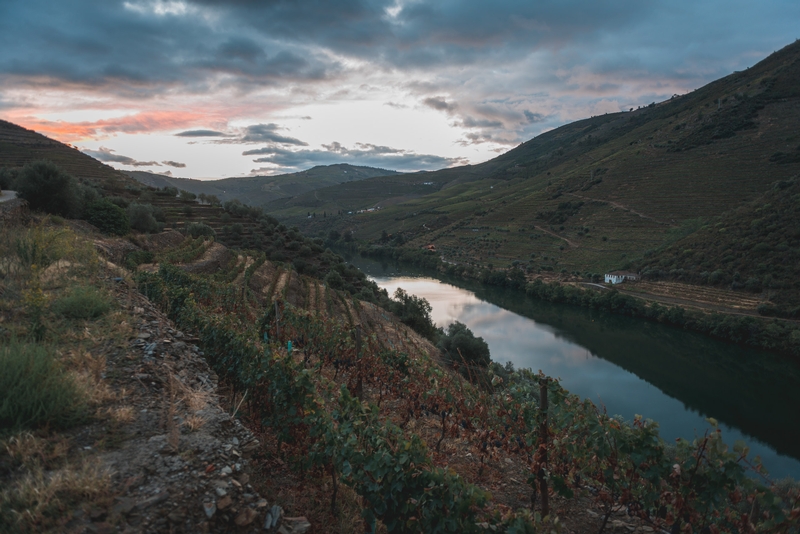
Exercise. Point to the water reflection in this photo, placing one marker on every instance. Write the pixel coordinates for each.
(629, 366)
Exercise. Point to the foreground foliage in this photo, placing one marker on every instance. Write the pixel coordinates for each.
(34, 390)
(570, 447)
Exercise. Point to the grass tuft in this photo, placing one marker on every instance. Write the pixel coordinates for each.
(34, 389)
(82, 302)
(43, 500)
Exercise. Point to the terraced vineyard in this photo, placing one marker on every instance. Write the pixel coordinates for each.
(19, 146)
(347, 395)
(715, 298)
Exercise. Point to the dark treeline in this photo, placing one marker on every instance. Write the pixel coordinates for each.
(764, 333)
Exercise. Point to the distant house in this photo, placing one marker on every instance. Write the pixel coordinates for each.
(617, 277)
(431, 247)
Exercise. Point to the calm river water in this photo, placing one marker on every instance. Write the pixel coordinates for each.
(630, 366)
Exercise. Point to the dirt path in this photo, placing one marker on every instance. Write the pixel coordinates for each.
(570, 243)
(620, 206)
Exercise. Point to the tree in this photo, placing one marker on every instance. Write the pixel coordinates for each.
(415, 312)
(107, 217)
(141, 217)
(460, 339)
(47, 188)
(197, 229)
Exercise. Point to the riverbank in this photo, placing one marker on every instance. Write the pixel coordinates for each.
(741, 327)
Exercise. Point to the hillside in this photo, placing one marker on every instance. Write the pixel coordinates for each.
(19, 146)
(595, 194)
(755, 248)
(259, 190)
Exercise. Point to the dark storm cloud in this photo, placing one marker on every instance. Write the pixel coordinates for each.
(145, 47)
(201, 133)
(267, 133)
(440, 104)
(106, 154)
(533, 118)
(176, 164)
(142, 47)
(363, 154)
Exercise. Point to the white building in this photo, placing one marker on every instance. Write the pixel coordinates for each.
(617, 277)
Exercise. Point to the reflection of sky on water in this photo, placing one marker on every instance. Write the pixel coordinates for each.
(533, 345)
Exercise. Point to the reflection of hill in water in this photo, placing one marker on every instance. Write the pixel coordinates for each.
(754, 391)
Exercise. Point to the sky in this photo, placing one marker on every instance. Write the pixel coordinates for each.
(218, 88)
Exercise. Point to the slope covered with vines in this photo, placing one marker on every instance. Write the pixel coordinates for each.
(353, 396)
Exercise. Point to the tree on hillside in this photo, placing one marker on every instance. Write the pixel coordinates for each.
(46, 187)
(7, 178)
(415, 312)
(107, 217)
(459, 345)
(141, 217)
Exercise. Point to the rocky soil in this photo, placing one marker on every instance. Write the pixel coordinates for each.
(181, 463)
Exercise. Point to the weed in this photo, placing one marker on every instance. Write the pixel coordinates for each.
(35, 302)
(194, 422)
(82, 302)
(33, 451)
(34, 390)
(42, 500)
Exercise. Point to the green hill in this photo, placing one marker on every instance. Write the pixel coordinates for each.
(755, 247)
(19, 146)
(259, 190)
(597, 193)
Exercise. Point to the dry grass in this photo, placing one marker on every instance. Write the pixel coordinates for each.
(89, 374)
(35, 451)
(121, 415)
(42, 501)
(194, 422)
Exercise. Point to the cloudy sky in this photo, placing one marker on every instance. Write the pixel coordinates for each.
(213, 88)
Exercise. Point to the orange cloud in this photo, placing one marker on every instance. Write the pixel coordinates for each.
(143, 122)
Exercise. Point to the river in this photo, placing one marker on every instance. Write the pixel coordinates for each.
(630, 366)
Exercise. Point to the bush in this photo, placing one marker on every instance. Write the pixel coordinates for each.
(8, 178)
(34, 390)
(334, 280)
(415, 312)
(200, 229)
(137, 257)
(48, 188)
(107, 217)
(82, 303)
(459, 338)
(141, 217)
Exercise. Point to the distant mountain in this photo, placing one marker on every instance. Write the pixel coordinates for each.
(595, 194)
(19, 146)
(259, 190)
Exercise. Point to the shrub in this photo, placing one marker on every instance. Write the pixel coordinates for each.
(334, 280)
(107, 217)
(8, 178)
(82, 303)
(47, 188)
(34, 390)
(200, 229)
(415, 312)
(119, 201)
(459, 338)
(136, 258)
(141, 217)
